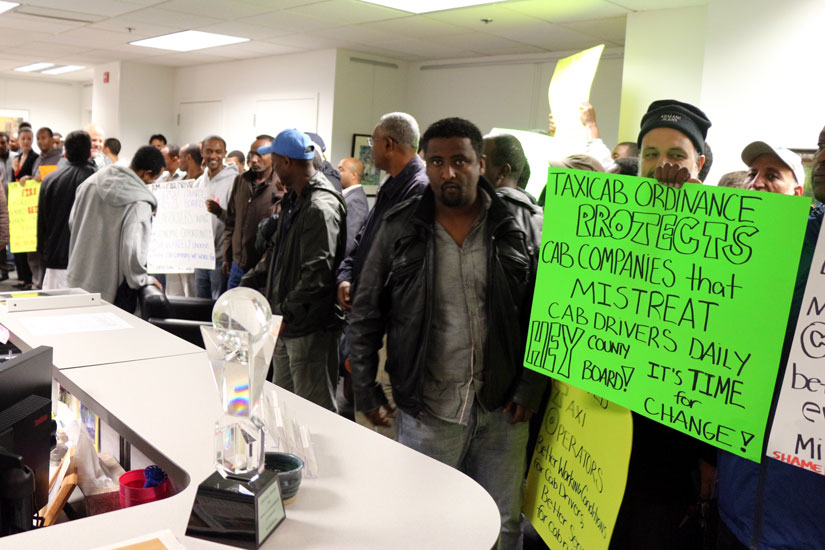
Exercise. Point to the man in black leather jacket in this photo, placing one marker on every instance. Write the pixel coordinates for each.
(298, 272)
(450, 278)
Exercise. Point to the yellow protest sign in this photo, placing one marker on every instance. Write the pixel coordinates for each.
(578, 472)
(569, 88)
(23, 216)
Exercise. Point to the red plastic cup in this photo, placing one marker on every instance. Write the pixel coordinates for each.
(132, 492)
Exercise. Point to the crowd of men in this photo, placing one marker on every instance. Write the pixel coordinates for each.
(419, 302)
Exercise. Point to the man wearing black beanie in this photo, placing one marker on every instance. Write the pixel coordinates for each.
(672, 142)
(661, 501)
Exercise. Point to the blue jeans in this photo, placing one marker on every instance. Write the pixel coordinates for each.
(488, 449)
(209, 283)
(235, 274)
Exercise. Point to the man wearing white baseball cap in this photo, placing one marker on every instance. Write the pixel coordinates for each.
(772, 504)
(773, 169)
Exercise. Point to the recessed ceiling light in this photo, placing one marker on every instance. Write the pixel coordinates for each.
(6, 6)
(34, 67)
(187, 41)
(425, 6)
(64, 69)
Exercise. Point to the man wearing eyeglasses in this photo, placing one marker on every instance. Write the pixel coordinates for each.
(394, 144)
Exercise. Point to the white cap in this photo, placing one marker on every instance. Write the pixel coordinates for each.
(791, 159)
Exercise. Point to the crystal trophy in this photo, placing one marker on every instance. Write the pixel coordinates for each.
(240, 503)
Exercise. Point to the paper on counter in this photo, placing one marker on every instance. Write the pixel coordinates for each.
(67, 324)
(159, 540)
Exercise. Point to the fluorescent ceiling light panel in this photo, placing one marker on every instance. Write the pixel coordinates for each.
(426, 6)
(34, 67)
(6, 6)
(187, 41)
(64, 69)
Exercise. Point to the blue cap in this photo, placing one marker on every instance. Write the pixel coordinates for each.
(291, 144)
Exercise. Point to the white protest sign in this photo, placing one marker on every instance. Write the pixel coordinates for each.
(181, 230)
(799, 423)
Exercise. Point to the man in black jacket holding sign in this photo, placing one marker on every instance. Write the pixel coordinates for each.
(450, 277)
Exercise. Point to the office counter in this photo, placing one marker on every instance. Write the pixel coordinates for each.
(371, 492)
(126, 338)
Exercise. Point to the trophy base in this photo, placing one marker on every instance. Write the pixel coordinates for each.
(235, 511)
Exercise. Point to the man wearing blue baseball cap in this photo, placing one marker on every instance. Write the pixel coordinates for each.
(298, 272)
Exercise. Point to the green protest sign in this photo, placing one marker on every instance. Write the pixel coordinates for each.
(669, 302)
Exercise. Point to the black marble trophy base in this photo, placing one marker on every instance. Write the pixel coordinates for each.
(235, 511)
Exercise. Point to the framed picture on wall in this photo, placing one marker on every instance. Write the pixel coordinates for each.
(362, 150)
(807, 156)
(10, 119)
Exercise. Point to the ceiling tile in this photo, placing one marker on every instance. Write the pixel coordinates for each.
(133, 29)
(286, 22)
(518, 49)
(566, 11)
(93, 37)
(280, 4)
(642, 5)
(478, 42)
(545, 35)
(245, 30)
(36, 24)
(347, 12)
(471, 18)
(48, 48)
(426, 49)
(250, 49)
(166, 18)
(311, 41)
(220, 9)
(187, 59)
(359, 33)
(414, 26)
(100, 8)
(610, 30)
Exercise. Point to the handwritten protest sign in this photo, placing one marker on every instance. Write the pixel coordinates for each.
(799, 423)
(569, 88)
(578, 472)
(23, 216)
(182, 230)
(670, 302)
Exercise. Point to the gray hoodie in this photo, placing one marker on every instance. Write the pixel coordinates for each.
(110, 224)
(218, 189)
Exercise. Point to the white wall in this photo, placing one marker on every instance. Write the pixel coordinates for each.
(237, 86)
(663, 56)
(53, 104)
(363, 92)
(106, 98)
(146, 93)
(506, 91)
(761, 76)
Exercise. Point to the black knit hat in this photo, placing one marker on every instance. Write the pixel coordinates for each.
(684, 117)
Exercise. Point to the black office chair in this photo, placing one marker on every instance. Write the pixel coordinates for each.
(177, 315)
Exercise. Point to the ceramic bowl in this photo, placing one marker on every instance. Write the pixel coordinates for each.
(290, 470)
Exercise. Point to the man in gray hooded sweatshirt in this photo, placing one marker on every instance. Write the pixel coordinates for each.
(110, 225)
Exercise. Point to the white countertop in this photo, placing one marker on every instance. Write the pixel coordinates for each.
(371, 492)
(75, 346)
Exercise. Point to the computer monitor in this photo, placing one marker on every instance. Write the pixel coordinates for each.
(26, 428)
